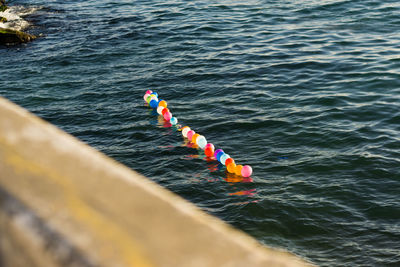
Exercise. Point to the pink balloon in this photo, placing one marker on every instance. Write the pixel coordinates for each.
(185, 130)
(246, 171)
(149, 92)
(145, 97)
(167, 116)
(190, 134)
(210, 145)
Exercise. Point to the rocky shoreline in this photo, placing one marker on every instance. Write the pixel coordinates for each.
(3, 5)
(11, 36)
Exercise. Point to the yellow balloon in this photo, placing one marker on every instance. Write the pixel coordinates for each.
(238, 170)
(231, 167)
(194, 138)
(163, 103)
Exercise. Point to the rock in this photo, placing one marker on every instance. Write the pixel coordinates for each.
(3, 6)
(12, 37)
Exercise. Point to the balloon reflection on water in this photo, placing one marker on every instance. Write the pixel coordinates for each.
(216, 159)
(159, 106)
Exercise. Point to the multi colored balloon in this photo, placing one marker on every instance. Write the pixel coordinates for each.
(209, 150)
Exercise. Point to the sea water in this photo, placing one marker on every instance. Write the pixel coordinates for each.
(306, 92)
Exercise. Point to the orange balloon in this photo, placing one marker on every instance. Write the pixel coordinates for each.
(209, 151)
(163, 103)
(238, 169)
(231, 167)
(229, 160)
(164, 111)
(194, 137)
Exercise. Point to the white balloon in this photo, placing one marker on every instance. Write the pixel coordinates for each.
(185, 131)
(160, 109)
(173, 120)
(201, 141)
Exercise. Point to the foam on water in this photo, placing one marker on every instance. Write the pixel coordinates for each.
(15, 17)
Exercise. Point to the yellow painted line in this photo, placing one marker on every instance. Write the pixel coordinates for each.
(116, 242)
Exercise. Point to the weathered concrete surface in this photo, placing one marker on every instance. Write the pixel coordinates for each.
(63, 203)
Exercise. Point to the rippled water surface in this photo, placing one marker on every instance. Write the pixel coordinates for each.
(306, 92)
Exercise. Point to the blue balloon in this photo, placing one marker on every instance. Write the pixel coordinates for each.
(216, 152)
(219, 155)
(153, 103)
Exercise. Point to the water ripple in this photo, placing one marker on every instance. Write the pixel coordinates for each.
(307, 92)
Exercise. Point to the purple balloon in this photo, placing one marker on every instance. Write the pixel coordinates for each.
(216, 152)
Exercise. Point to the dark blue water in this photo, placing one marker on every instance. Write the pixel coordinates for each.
(306, 92)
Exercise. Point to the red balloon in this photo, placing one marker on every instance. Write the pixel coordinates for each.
(229, 160)
(164, 110)
(209, 151)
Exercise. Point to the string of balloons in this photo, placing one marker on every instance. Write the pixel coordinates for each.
(152, 100)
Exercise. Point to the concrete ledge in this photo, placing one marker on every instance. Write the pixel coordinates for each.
(66, 204)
